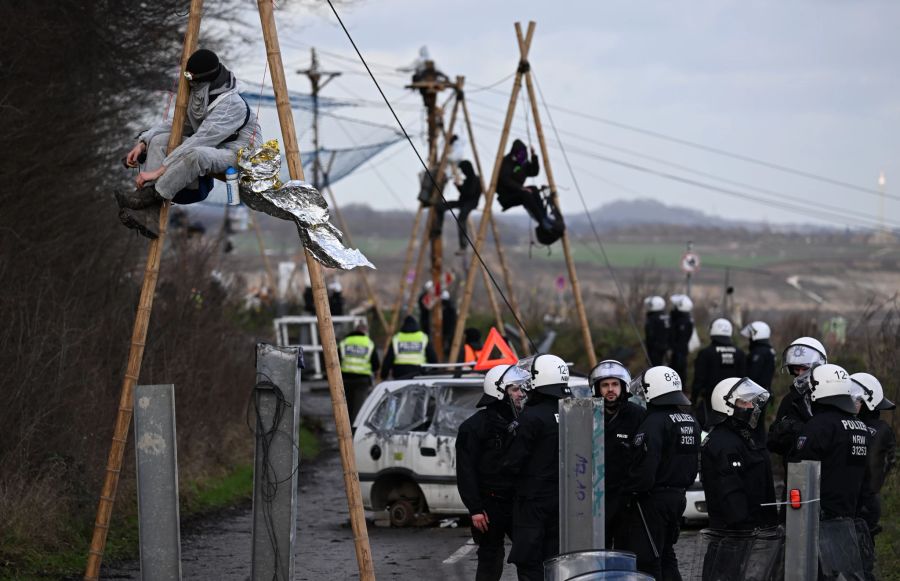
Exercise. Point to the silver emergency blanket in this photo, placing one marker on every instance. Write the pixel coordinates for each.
(298, 201)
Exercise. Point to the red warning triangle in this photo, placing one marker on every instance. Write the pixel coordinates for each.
(495, 341)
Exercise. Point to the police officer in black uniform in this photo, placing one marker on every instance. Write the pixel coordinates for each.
(682, 329)
(534, 460)
(666, 451)
(715, 362)
(656, 330)
(840, 441)
(735, 469)
(795, 408)
(760, 355)
(481, 444)
(622, 418)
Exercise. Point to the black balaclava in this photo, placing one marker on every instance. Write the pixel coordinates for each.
(203, 65)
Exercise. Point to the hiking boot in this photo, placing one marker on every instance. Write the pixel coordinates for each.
(144, 220)
(138, 199)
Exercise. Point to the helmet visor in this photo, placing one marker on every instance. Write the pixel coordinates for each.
(638, 390)
(610, 369)
(747, 390)
(525, 366)
(801, 356)
(858, 393)
(514, 376)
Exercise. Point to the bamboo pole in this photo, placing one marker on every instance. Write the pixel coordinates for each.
(510, 292)
(320, 296)
(398, 304)
(567, 250)
(489, 193)
(365, 279)
(141, 323)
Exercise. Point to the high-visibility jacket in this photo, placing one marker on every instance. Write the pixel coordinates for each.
(409, 348)
(356, 354)
(470, 354)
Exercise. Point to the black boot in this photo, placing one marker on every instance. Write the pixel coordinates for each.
(144, 220)
(138, 199)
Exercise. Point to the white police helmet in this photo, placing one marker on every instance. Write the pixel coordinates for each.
(548, 374)
(659, 385)
(654, 304)
(874, 394)
(498, 380)
(682, 303)
(803, 352)
(492, 381)
(610, 368)
(721, 328)
(725, 396)
(830, 384)
(756, 331)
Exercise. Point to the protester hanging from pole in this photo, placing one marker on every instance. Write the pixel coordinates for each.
(469, 196)
(511, 188)
(219, 123)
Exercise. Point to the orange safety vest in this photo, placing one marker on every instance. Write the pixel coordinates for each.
(470, 354)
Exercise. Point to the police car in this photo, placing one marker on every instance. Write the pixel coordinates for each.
(405, 447)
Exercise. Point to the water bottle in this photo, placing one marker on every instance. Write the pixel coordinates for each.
(231, 187)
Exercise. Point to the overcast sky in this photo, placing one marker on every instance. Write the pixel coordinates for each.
(811, 85)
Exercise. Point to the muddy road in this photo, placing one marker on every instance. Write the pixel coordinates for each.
(219, 548)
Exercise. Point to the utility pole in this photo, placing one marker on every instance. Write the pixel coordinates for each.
(429, 82)
(316, 77)
(881, 184)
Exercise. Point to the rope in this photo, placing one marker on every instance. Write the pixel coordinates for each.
(587, 213)
(262, 84)
(434, 182)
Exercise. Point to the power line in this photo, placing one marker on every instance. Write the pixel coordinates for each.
(434, 184)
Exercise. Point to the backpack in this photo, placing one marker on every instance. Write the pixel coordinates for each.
(551, 227)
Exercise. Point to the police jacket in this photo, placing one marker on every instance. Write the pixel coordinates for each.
(666, 451)
(682, 327)
(737, 477)
(512, 173)
(402, 371)
(761, 363)
(719, 360)
(793, 411)
(656, 334)
(481, 444)
(840, 441)
(882, 449)
(533, 456)
(619, 431)
(358, 354)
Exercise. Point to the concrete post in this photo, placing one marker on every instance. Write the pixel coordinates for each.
(801, 548)
(276, 402)
(157, 482)
(581, 476)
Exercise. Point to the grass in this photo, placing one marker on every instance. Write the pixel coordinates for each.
(198, 497)
(887, 544)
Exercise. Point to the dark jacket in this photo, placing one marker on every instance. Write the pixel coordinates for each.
(470, 189)
(882, 449)
(533, 457)
(681, 328)
(840, 442)
(656, 334)
(719, 360)
(737, 477)
(666, 451)
(512, 173)
(619, 431)
(404, 371)
(761, 363)
(793, 412)
(481, 444)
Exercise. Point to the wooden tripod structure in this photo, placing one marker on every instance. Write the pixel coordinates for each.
(523, 71)
(320, 296)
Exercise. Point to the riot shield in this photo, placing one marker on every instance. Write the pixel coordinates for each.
(766, 561)
(569, 565)
(866, 548)
(839, 556)
(721, 555)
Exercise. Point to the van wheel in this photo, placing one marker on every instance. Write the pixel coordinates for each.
(402, 513)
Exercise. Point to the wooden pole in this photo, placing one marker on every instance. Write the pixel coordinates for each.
(510, 292)
(489, 193)
(362, 273)
(398, 304)
(141, 323)
(567, 250)
(320, 296)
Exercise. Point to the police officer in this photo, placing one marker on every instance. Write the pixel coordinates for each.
(882, 445)
(761, 355)
(481, 444)
(666, 451)
(682, 328)
(795, 408)
(359, 362)
(840, 441)
(735, 469)
(656, 329)
(533, 459)
(717, 361)
(610, 380)
(409, 350)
